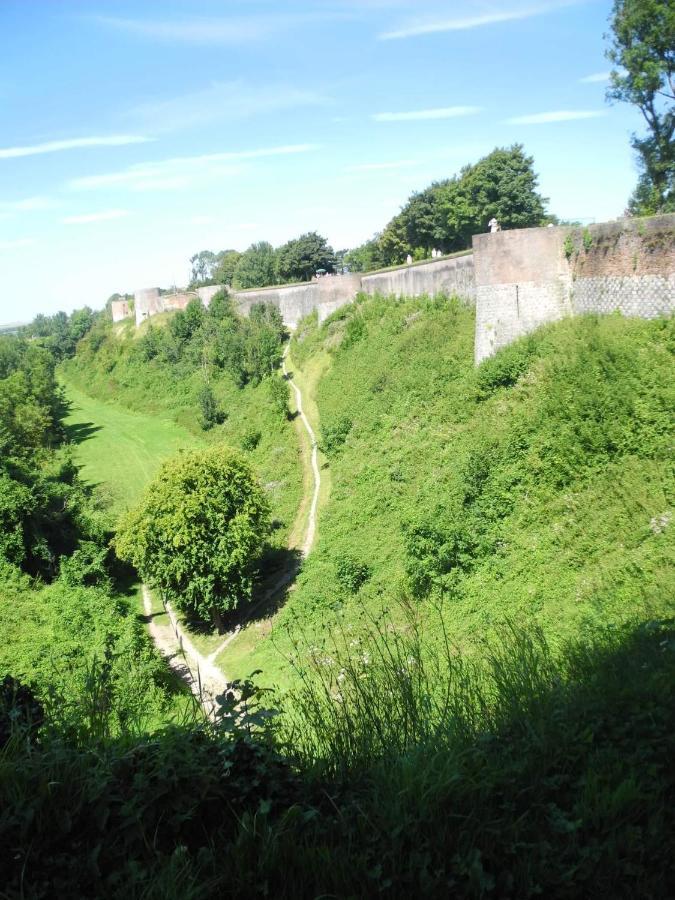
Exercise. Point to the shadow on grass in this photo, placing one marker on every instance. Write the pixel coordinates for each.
(78, 432)
(279, 568)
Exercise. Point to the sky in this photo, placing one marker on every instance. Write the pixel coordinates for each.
(134, 134)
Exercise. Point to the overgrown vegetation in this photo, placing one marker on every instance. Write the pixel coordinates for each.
(404, 774)
(526, 487)
(475, 669)
(63, 617)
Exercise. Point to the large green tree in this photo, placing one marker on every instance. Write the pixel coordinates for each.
(257, 267)
(446, 214)
(643, 52)
(199, 531)
(300, 258)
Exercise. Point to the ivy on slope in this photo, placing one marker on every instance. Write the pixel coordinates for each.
(537, 486)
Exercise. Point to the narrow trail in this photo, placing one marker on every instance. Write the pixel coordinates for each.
(308, 543)
(204, 678)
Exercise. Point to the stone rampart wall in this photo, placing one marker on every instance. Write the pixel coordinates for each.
(518, 280)
(527, 277)
(448, 275)
(120, 310)
(296, 301)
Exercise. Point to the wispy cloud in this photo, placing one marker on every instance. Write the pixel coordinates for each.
(596, 78)
(182, 171)
(230, 30)
(422, 26)
(111, 140)
(446, 112)
(220, 101)
(16, 244)
(382, 166)
(561, 115)
(105, 215)
(28, 204)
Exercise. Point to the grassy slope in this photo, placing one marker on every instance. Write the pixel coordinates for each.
(120, 450)
(147, 413)
(556, 479)
(117, 379)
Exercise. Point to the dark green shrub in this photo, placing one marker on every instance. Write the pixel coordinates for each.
(334, 434)
(352, 574)
(251, 439)
(504, 369)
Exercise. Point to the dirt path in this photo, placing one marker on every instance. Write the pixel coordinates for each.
(204, 678)
(308, 543)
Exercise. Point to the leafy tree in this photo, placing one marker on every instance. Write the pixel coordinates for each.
(211, 413)
(366, 257)
(643, 51)
(257, 267)
(447, 213)
(203, 265)
(299, 259)
(279, 393)
(199, 531)
(226, 264)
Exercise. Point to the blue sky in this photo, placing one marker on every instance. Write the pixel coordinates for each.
(136, 133)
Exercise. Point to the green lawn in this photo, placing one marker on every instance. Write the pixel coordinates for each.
(118, 449)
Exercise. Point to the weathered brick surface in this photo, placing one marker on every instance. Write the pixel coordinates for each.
(525, 278)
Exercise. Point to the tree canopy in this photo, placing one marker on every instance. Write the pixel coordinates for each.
(199, 531)
(257, 267)
(300, 258)
(446, 214)
(642, 50)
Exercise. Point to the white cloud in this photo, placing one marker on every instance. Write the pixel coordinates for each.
(103, 216)
(446, 112)
(29, 204)
(220, 100)
(16, 244)
(596, 78)
(561, 115)
(183, 171)
(111, 140)
(418, 26)
(232, 30)
(382, 166)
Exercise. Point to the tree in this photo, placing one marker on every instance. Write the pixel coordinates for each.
(448, 213)
(226, 263)
(257, 267)
(203, 264)
(199, 531)
(301, 258)
(643, 51)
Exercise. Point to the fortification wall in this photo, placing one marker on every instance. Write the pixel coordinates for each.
(448, 275)
(528, 277)
(296, 301)
(120, 309)
(518, 280)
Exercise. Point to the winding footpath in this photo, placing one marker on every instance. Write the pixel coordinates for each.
(204, 678)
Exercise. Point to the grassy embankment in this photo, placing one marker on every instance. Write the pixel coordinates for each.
(539, 488)
(534, 488)
(142, 411)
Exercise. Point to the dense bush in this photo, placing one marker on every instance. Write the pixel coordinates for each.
(199, 531)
